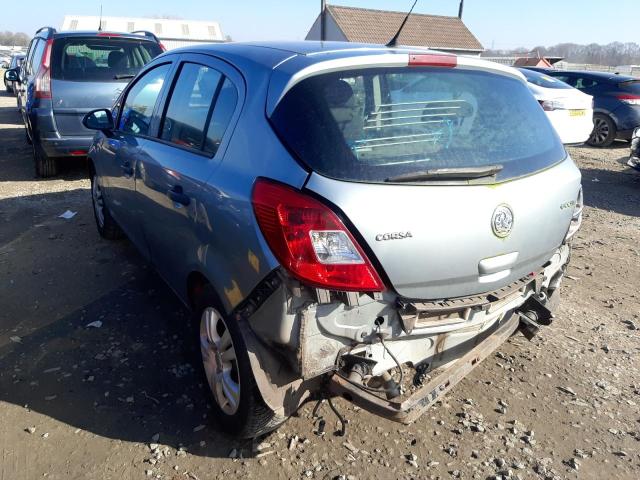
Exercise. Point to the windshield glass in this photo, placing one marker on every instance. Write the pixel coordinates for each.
(374, 124)
(100, 58)
(542, 80)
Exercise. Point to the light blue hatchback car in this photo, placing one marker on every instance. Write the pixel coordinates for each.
(344, 220)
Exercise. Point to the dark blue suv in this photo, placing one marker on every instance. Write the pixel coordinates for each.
(616, 103)
(67, 74)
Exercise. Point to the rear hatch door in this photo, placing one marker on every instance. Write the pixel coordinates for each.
(452, 179)
(90, 72)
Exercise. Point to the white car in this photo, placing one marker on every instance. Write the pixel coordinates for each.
(570, 110)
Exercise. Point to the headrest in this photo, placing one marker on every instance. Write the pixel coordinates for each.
(338, 93)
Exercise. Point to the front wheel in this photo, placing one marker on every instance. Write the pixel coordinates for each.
(237, 403)
(604, 131)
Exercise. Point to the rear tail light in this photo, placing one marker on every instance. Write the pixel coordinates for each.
(310, 241)
(432, 60)
(42, 79)
(629, 99)
(576, 219)
(551, 105)
(162, 47)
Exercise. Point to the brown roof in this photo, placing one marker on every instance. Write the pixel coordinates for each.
(531, 62)
(378, 26)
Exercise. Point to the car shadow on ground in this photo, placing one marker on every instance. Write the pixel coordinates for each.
(132, 375)
(129, 379)
(598, 184)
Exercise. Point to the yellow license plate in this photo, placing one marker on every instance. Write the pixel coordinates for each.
(577, 113)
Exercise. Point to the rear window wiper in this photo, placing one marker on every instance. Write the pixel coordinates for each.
(458, 173)
(123, 76)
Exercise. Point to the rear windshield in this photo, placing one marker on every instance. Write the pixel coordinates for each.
(631, 86)
(542, 80)
(373, 124)
(100, 58)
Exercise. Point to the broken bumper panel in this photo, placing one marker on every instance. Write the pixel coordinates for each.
(410, 408)
(299, 337)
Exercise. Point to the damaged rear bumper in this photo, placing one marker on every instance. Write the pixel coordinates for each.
(441, 381)
(301, 340)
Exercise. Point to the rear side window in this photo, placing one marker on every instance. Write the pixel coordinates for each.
(202, 100)
(36, 58)
(222, 113)
(141, 100)
(101, 59)
(186, 117)
(630, 86)
(373, 124)
(583, 83)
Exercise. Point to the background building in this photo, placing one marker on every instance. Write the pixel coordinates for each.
(364, 25)
(172, 33)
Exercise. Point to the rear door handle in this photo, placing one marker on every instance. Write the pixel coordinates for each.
(177, 196)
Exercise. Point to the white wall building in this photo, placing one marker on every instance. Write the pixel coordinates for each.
(172, 33)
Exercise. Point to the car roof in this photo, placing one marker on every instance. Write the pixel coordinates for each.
(597, 75)
(96, 33)
(271, 53)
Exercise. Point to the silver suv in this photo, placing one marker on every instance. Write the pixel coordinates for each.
(344, 220)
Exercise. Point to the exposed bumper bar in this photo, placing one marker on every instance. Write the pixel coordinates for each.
(409, 409)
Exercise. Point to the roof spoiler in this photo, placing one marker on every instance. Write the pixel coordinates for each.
(147, 34)
(52, 31)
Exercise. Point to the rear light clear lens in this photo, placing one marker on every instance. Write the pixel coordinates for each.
(43, 83)
(551, 105)
(629, 99)
(310, 241)
(334, 247)
(576, 219)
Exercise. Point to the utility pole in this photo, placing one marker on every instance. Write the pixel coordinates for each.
(460, 9)
(323, 28)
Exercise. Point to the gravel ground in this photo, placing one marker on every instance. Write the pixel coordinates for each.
(120, 398)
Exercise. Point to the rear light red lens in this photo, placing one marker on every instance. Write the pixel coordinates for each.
(162, 47)
(77, 153)
(108, 34)
(297, 228)
(629, 99)
(43, 76)
(432, 60)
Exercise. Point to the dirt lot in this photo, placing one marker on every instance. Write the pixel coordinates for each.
(122, 400)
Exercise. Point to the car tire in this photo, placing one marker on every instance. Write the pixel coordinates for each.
(107, 226)
(45, 166)
(604, 131)
(237, 403)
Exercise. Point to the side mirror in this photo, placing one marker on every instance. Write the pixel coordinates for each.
(12, 75)
(99, 120)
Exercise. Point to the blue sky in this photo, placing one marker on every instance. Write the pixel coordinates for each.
(498, 23)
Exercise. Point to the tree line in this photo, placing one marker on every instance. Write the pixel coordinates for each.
(14, 39)
(611, 54)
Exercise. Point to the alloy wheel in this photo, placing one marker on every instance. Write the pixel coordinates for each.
(219, 359)
(600, 131)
